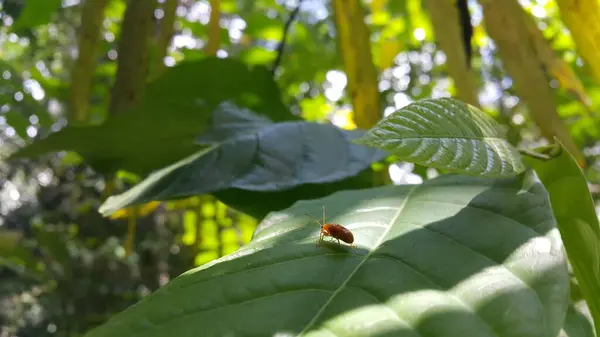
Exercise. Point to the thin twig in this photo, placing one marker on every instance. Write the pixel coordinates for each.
(286, 29)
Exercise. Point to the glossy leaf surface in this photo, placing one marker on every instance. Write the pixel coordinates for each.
(575, 213)
(250, 153)
(448, 134)
(455, 256)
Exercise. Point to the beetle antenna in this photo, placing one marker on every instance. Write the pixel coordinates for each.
(323, 213)
(317, 221)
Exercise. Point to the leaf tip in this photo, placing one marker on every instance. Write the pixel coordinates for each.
(111, 208)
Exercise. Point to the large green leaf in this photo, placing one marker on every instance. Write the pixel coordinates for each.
(176, 108)
(250, 153)
(575, 213)
(135, 141)
(447, 134)
(455, 256)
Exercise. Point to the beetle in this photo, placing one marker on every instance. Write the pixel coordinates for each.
(334, 230)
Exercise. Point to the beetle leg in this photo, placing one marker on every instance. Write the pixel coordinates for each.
(320, 239)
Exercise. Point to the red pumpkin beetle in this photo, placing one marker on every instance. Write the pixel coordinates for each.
(334, 230)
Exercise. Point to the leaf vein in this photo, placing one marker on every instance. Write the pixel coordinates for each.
(366, 258)
(236, 273)
(445, 292)
(203, 311)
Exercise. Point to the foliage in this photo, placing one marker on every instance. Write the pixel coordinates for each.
(250, 153)
(577, 220)
(425, 259)
(169, 119)
(446, 134)
(247, 114)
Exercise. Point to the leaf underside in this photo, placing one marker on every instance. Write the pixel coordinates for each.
(253, 154)
(447, 134)
(455, 256)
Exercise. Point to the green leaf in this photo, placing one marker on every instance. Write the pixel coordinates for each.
(177, 107)
(575, 213)
(258, 204)
(36, 13)
(578, 322)
(446, 134)
(455, 256)
(248, 152)
(210, 81)
(135, 141)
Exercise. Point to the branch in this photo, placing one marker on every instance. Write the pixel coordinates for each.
(165, 35)
(132, 49)
(286, 29)
(214, 29)
(92, 15)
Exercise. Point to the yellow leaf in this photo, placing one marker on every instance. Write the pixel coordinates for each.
(205, 257)
(554, 64)
(271, 33)
(567, 80)
(480, 38)
(314, 109)
(394, 28)
(183, 203)
(209, 210)
(389, 50)
(380, 18)
(210, 228)
(143, 210)
(419, 21)
(582, 19)
(247, 234)
(229, 235)
(378, 5)
(230, 248)
(190, 222)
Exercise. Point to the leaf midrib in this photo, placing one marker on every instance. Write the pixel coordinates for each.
(432, 136)
(365, 259)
